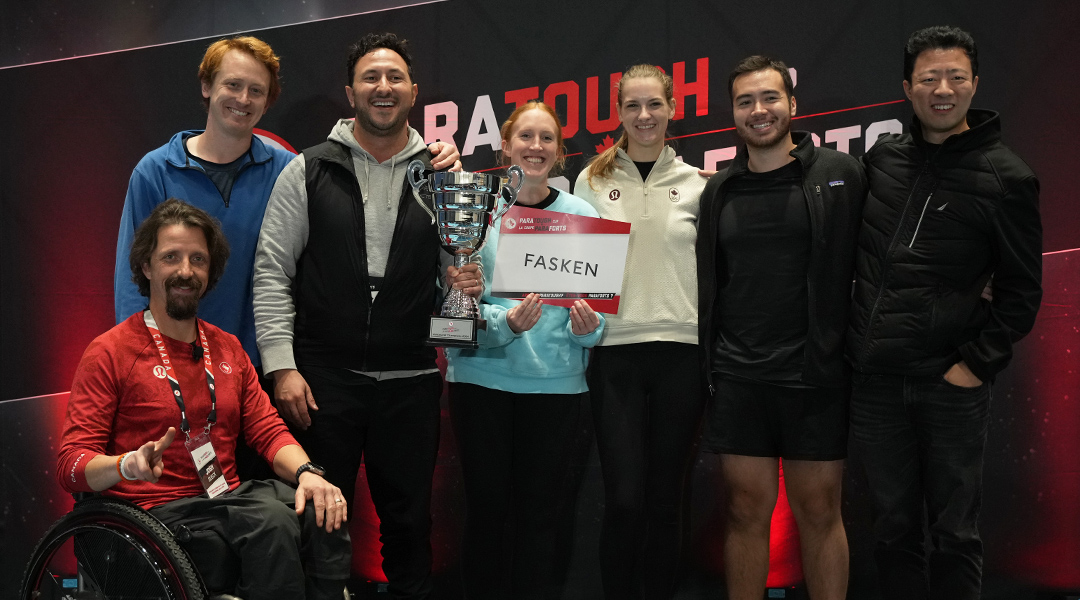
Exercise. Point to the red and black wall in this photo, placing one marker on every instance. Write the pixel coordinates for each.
(72, 130)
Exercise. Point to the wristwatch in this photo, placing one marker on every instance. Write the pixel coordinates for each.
(310, 466)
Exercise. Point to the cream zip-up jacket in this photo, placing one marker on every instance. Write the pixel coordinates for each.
(659, 291)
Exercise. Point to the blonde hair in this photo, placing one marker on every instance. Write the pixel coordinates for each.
(604, 164)
(508, 128)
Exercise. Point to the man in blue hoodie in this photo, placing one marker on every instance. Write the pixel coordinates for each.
(226, 170)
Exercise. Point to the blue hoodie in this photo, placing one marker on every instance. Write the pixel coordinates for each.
(547, 359)
(167, 173)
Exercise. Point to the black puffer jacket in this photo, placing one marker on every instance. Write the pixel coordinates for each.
(939, 221)
(834, 187)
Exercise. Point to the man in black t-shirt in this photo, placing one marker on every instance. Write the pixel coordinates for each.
(775, 249)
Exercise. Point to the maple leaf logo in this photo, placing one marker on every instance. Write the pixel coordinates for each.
(606, 143)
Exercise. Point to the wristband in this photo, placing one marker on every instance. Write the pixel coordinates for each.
(120, 467)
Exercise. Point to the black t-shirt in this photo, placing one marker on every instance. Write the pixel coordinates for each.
(223, 176)
(764, 237)
(644, 168)
(548, 200)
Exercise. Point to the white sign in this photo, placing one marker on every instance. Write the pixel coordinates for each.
(561, 257)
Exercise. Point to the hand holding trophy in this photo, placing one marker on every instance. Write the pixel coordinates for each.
(463, 205)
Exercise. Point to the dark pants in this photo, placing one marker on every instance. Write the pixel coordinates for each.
(921, 440)
(282, 556)
(647, 407)
(393, 427)
(517, 453)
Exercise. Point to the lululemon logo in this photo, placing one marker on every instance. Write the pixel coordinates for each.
(225, 368)
(159, 372)
(673, 194)
(614, 195)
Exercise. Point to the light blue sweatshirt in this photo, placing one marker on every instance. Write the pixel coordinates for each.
(547, 359)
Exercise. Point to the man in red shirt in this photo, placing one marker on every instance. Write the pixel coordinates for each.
(164, 370)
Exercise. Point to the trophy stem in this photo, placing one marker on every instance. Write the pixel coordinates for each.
(458, 304)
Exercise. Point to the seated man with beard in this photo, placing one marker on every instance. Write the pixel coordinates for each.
(163, 370)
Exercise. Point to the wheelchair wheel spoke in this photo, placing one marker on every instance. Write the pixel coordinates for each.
(109, 550)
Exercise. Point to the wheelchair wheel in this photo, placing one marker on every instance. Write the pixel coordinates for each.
(109, 550)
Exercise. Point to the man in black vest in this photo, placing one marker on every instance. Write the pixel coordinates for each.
(345, 280)
(776, 242)
(950, 207)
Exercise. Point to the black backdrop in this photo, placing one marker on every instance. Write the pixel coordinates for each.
(72, 130)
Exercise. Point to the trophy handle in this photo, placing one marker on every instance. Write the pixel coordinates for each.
(510, 191)
(415, 171)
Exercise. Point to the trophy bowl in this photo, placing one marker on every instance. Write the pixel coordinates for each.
(462, 205)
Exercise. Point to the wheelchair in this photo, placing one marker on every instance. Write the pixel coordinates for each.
(111, 549)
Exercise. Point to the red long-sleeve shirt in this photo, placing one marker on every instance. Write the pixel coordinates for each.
(119, 402)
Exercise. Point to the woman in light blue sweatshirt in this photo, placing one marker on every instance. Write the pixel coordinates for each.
(517, 403)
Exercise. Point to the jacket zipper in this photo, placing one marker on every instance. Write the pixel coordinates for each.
(863, 351)
(712, 297)
(813, 243)
(365, 289)
(919, 224)
(645, 192)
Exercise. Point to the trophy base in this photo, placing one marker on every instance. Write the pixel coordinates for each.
(453, 332)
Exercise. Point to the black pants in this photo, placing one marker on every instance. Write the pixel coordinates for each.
(518, 454)
(647, 408)
(393, 427)
(280, 553)
(921, 440)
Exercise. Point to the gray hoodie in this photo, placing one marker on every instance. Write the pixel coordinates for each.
(284, 236)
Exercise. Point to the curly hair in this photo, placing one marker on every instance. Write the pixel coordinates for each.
(372, 42)
(177, 212)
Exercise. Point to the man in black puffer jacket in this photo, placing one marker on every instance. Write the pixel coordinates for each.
(950, 207)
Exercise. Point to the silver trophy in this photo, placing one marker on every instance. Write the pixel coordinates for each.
(463, 204)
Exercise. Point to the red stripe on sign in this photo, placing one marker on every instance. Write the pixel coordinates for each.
(605, 303)
(522, 219)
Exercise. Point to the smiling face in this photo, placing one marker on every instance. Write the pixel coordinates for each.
(762, 109)
(381, 93)
(533, 144)
(238, 94)
(644, 112)
(940, 91)
(178, 270)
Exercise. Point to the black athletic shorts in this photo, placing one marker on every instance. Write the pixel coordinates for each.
(751, 418)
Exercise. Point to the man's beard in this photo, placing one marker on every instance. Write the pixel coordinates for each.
(182, 308)
(388, 129)
(780, 133)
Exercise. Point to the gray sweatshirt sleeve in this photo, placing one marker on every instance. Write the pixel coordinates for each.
(283, 237)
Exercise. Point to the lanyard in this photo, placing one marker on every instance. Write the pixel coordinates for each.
(163, 354)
